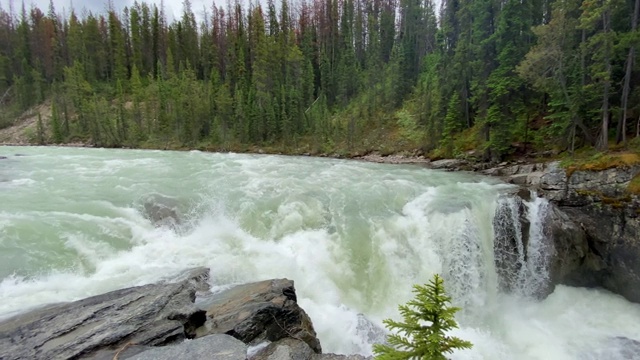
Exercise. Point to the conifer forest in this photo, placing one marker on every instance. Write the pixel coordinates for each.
(322, 76)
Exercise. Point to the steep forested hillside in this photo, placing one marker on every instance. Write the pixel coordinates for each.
(330, 75)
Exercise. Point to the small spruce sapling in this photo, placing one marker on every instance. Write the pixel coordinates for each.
(422, 334)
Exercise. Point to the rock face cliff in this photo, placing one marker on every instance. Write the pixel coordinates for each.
(594, 222)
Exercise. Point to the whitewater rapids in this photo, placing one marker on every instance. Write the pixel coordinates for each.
(353, 236)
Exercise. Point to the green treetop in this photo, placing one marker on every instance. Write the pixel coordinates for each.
(423, 332)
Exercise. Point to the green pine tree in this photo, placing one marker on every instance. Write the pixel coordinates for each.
(423, 332)
(56, 126)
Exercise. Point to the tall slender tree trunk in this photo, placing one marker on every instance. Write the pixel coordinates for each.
(604, 135)
(622, 133)
(465, 99)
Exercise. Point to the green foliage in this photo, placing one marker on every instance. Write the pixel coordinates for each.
(422, 335)
(452, 124)
(40, 137)
(56, 126)
(348, 76)
(408, 126)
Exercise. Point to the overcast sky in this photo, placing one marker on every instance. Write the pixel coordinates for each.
(173, 8)
(99, 6)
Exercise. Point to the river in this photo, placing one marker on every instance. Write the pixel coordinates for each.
(354, 237)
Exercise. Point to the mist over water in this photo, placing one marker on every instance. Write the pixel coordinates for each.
(353, 236)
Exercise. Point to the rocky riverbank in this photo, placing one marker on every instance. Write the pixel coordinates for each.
(170, 320)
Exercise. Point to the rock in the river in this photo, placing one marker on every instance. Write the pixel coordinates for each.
(155, 314)
(161, 210)
(253, 313)
(294, 349)
(212, 347)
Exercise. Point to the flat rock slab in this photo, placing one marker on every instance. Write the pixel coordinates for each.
(151, 315)
(212, 347)
(447, 164)
(258, 312)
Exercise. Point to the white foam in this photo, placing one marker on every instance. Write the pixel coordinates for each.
(354, 237)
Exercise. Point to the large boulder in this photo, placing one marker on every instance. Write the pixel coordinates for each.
(151, 315)
(257, 312)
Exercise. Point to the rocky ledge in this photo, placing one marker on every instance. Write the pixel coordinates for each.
(594, 223)
(179, 319)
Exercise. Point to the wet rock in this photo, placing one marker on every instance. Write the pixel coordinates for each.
(519, 179)
(524, 194)
(212, 347)
(161, 210)
(152, 315)
(491, 171)
(285, 349)
(571, 262)
(448, 164)
(595, 224)
(289, 348)
(614, 247)
(257, 312)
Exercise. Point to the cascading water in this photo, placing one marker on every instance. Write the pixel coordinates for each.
(353, 236)
(522, 245)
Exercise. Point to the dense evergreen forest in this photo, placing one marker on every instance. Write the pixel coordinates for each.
(330, 75)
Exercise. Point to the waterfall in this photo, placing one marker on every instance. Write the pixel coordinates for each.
(355, 237)
(522, 245)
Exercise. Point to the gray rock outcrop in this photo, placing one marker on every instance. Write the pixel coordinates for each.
(156, 321)
(257, 312)
(212, 347)
(595, 223)
(290, 348)
(150, 315)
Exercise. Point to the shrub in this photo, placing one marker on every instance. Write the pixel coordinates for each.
(423, 333)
